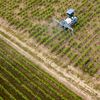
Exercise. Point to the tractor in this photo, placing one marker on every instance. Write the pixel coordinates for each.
(69, 21)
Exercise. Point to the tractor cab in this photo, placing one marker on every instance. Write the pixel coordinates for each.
(70, 13)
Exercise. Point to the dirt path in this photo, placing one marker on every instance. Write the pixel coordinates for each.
(51, 71)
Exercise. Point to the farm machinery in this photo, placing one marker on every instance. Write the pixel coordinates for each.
(69, 21)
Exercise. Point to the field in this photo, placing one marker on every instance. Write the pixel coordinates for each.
(32, 22)
(21, 79)
(34, 17)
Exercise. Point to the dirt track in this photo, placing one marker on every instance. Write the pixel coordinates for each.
(51, 71)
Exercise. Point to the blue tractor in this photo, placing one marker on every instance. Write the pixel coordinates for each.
(69, 21)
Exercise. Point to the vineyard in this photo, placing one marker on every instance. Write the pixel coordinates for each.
(33, 22)
(21, 79)
(34, 17)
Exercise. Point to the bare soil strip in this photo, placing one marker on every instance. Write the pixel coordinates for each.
(54, 71)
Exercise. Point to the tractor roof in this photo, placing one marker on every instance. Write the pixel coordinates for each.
(70, 11)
